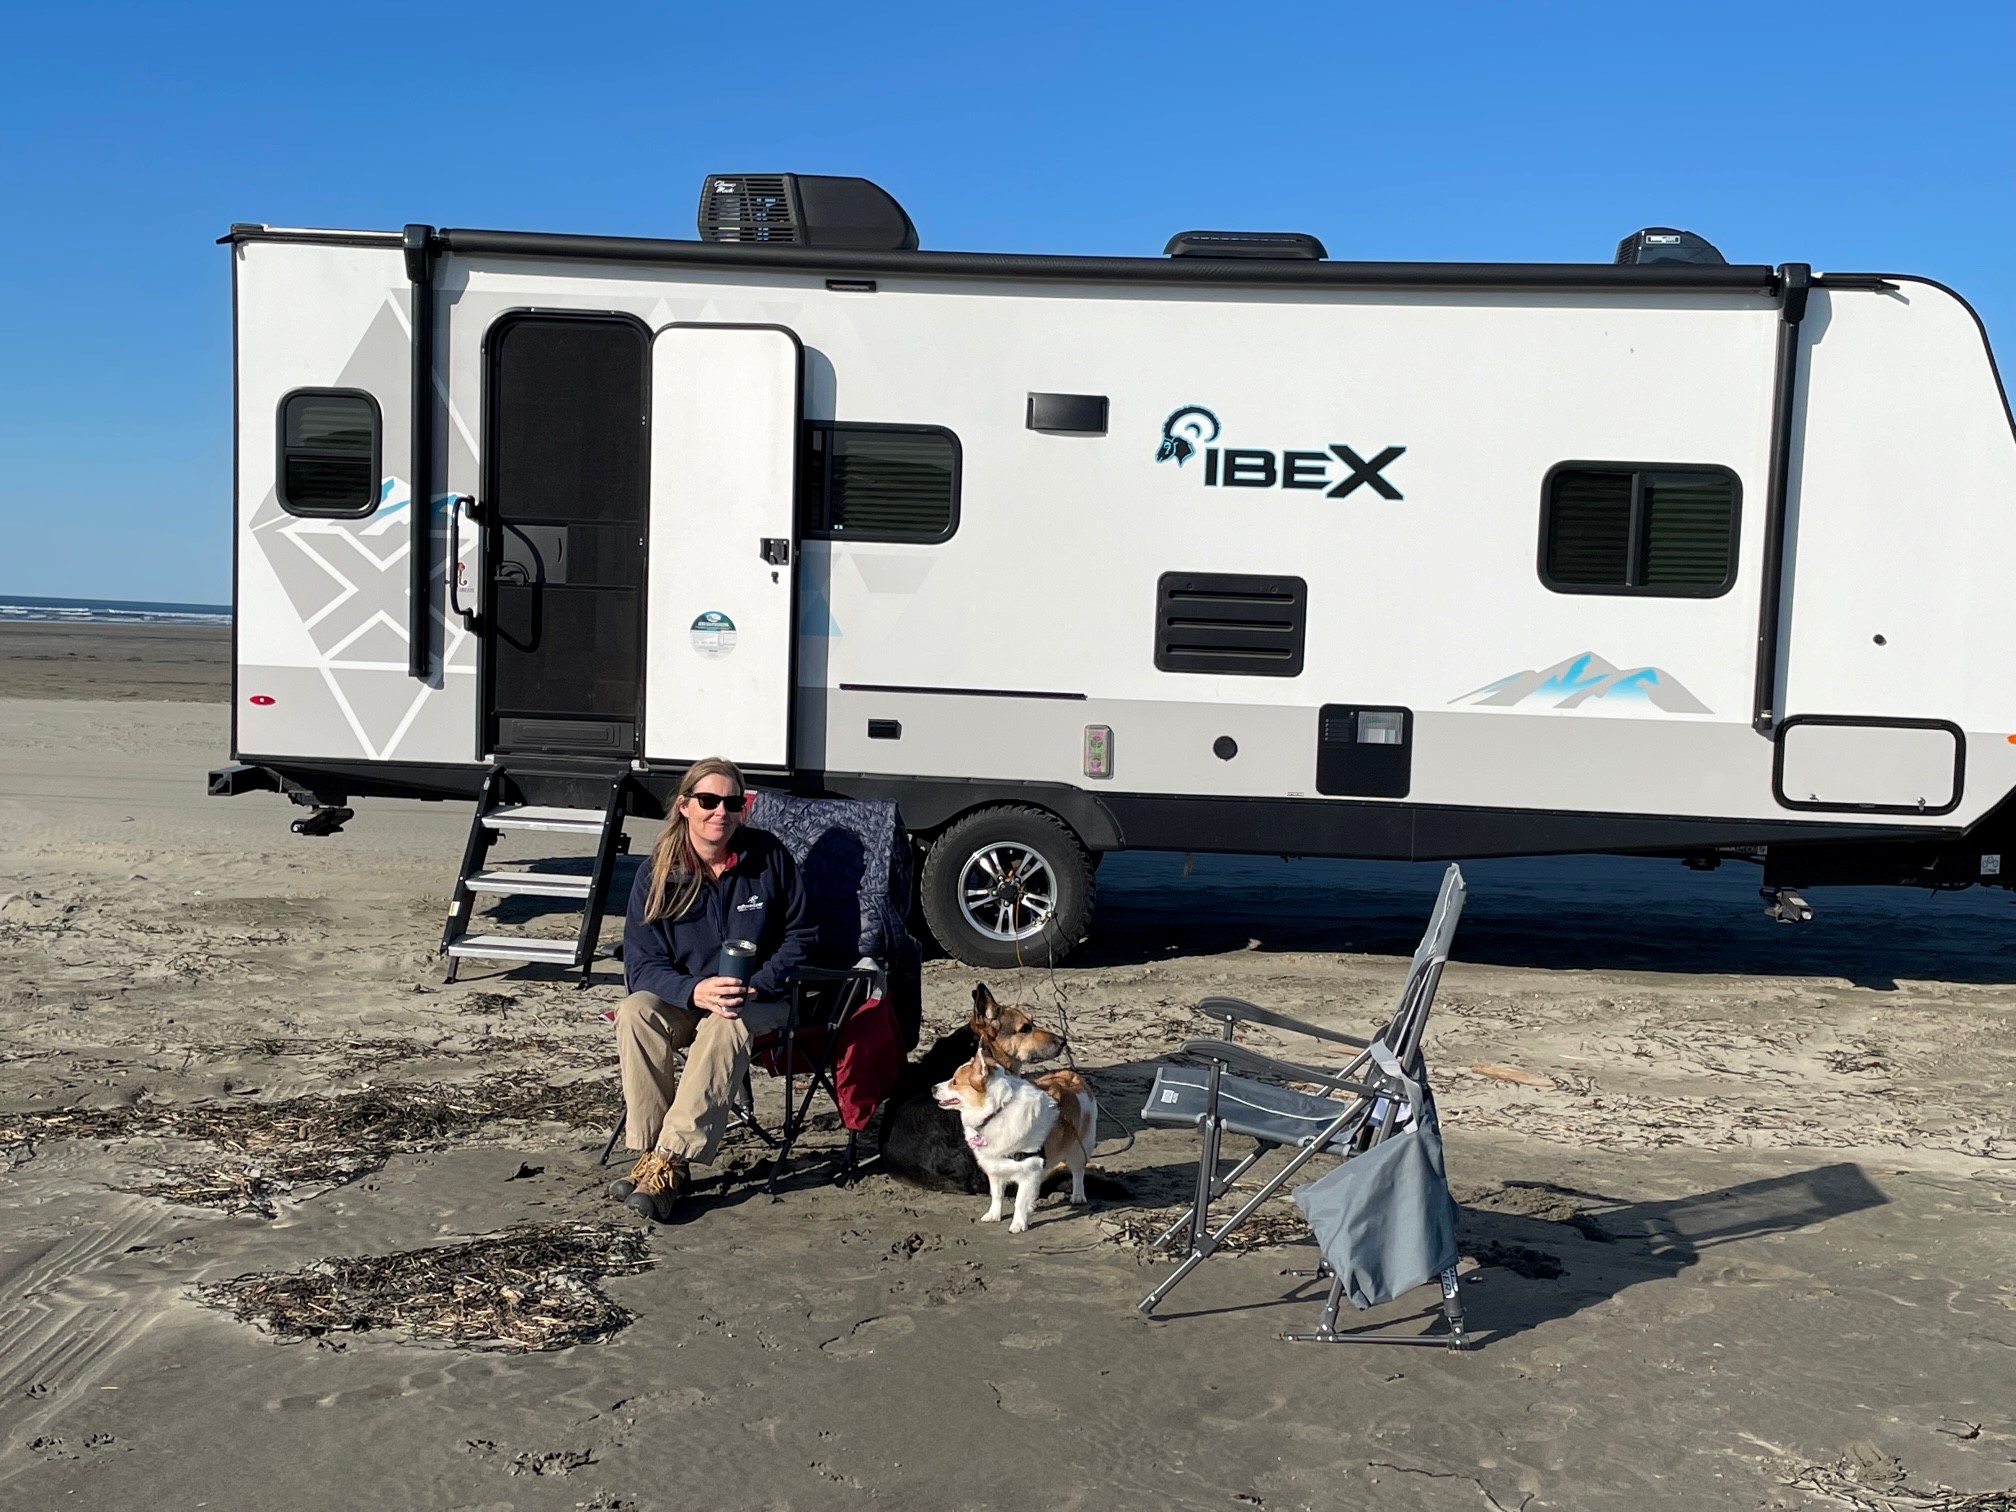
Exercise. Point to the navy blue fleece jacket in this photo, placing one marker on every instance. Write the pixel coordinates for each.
(759, 898)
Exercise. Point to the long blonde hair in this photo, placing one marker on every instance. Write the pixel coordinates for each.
(674, 864)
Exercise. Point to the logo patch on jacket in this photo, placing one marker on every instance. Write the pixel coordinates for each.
(749, 905)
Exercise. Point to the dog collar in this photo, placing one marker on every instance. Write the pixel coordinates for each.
(973, 1135)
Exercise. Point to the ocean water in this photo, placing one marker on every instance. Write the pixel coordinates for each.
(22, 606)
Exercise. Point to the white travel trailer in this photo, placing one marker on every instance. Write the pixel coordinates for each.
(1235, 549)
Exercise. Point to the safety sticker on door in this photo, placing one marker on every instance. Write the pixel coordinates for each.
(713, 634)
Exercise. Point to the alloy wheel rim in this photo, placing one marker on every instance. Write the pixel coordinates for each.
(1007, 891)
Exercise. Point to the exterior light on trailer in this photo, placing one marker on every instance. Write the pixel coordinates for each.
(1381, 729)
(266, 703)
(1099, 750)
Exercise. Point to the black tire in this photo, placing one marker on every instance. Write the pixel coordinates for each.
(1009, 838)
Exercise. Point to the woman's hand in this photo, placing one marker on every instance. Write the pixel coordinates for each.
(720, 995)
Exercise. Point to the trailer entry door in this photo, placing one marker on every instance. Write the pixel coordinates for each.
(564, 525)
(726, 410)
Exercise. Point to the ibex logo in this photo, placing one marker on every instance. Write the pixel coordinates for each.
(1190, 418)
(1183, 435)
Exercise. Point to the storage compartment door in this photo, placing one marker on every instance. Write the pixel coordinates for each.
(1894, 766)
(725, 416)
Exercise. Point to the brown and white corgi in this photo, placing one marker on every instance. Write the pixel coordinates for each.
(1018, 1130)
(923, 1144)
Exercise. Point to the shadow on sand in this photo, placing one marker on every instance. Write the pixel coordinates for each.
(1580, 1248)
(1607, 913)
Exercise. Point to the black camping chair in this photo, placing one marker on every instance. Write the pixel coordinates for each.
(854, 862)
(1380, 1092)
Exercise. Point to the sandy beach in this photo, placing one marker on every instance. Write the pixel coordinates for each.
(170, 663)
(1735, 1197)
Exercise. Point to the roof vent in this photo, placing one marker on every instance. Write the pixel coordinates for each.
(803, 210)
(1289, 244)
(1662, 244)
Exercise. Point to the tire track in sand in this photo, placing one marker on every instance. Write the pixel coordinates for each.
(62, 1328)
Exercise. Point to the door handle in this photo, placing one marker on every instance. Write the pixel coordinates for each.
(455, 557)
(777, 550)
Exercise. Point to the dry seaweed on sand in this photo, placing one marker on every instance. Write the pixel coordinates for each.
(1868, 1484)
(1274, 1225)
(246, 1187)
(319, 1140)
(531, 1288)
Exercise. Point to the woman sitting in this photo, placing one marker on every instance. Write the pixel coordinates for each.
(709, 880)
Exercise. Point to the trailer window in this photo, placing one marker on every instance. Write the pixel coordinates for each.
(881, 483)
(329, 452)
(1619, 528)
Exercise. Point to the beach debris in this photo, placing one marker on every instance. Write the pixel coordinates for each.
(273, 1148)
(553, 1462)
(1869, 1480)
(1277, 1223)
(526, 1171)
(1856, 1061)
(1511, 1074)
(530, 1289)
(356, 1054)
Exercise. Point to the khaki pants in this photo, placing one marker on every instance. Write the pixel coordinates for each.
(690, 1121)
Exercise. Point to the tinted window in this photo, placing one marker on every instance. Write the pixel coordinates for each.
(1655, 530)
(887, 483)
(328, 453)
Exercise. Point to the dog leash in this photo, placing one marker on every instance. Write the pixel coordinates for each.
(1061, 1000)
(1125, 1127)
(1060, 996)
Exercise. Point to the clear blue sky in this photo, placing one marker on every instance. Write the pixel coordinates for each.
(1849, 135)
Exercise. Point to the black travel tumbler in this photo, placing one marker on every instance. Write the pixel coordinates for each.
(738, 959)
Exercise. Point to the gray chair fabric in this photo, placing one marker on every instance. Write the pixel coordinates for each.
(1384, 1219)
(1259, 1110)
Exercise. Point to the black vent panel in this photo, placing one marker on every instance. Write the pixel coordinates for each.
(750, 207)
(1230, 624)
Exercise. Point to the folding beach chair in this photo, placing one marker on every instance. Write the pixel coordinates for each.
(851, 1024)
(1380, 1093)
(857, 1010)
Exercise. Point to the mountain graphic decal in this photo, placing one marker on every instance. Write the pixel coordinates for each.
(1584, 679)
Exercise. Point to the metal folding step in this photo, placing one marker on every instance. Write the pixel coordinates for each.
(532, 816)
(494, 817)
(514, 948)
(515, 884)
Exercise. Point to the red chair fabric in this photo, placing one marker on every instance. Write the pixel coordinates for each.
(865, 1070)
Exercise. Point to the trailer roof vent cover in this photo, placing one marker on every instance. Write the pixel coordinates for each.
(805, 210)
(1298, 245)
(1663, 244)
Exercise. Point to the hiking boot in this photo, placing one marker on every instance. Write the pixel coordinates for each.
(653, 1186)
(657, 1206)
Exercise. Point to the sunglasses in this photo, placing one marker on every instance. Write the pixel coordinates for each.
(733, 802)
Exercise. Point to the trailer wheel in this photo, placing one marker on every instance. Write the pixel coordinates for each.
(1007, 887)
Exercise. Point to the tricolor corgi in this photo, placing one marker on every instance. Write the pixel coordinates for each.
(1018, 1130)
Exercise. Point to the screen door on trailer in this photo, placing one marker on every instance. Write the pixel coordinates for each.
(725, 408)
(564, 508)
